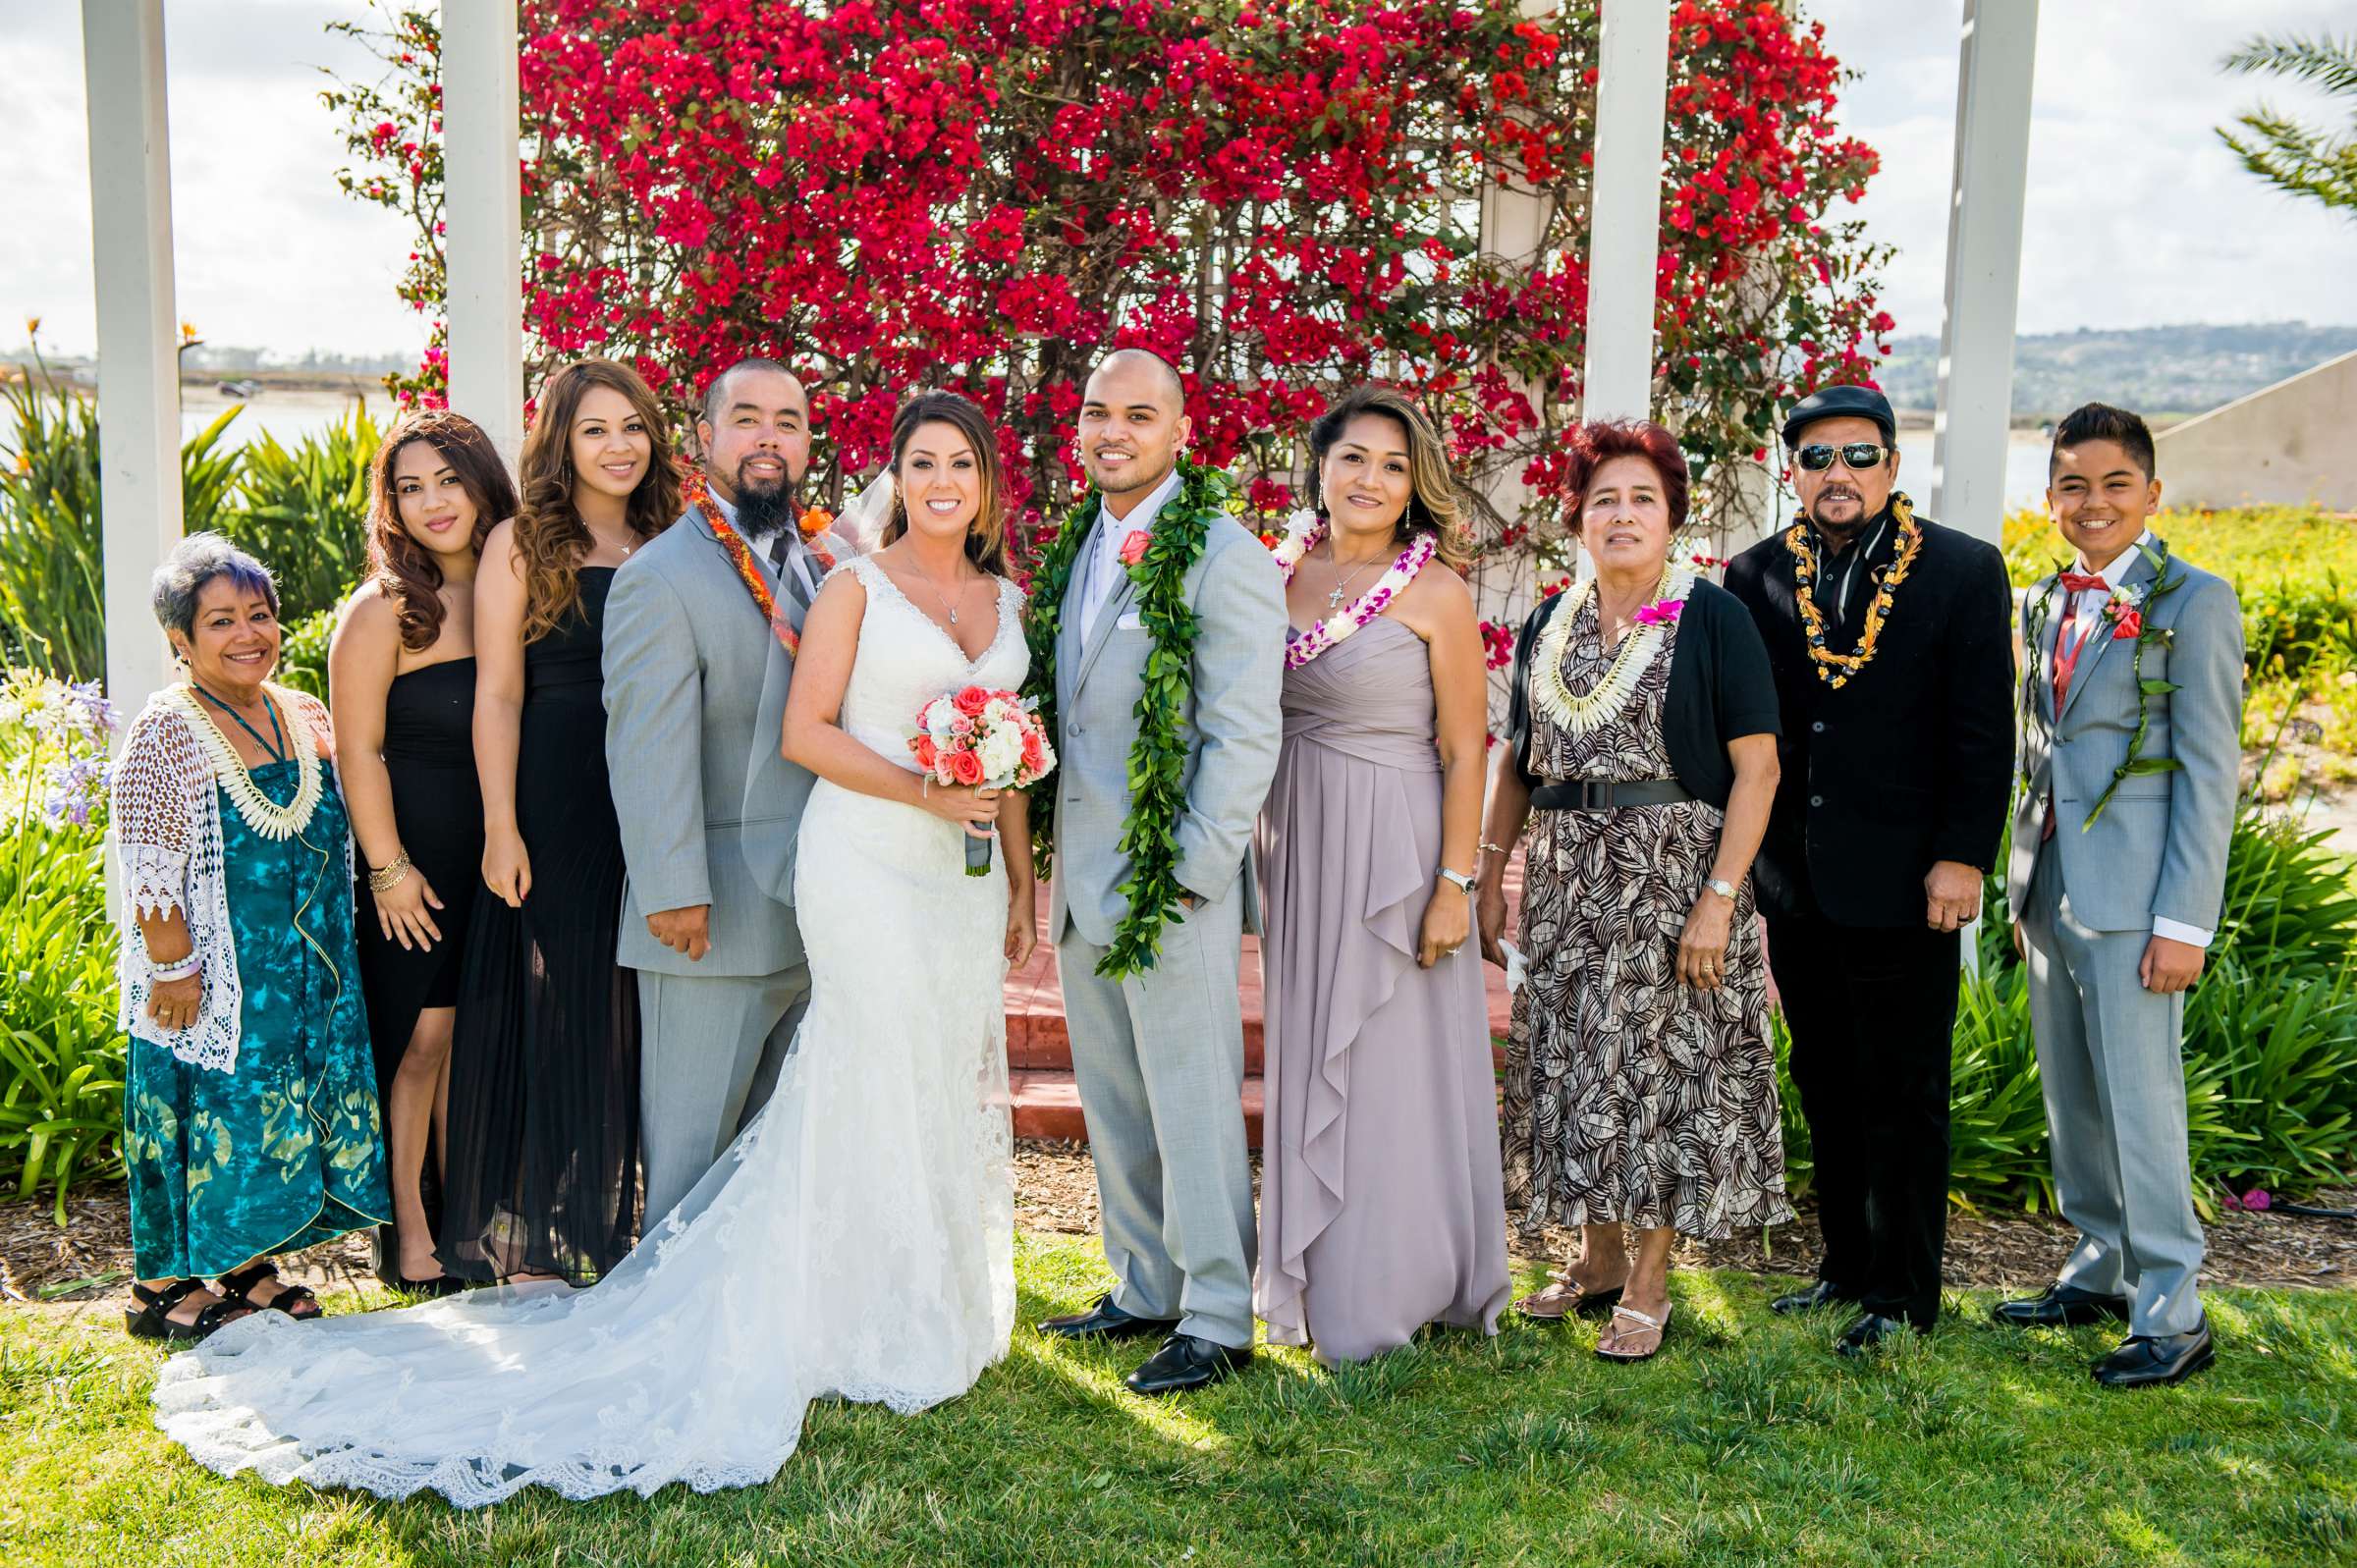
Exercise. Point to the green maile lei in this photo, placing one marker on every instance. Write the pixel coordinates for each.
(1158, 757)
(2147, 633)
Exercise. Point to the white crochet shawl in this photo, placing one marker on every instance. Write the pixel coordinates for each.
(167, 823)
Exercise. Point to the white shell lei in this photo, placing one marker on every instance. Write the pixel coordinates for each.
(1304, 531)
(264, 818)
(1575, 712)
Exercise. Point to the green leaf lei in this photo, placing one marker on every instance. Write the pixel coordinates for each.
(2136, 764)
(1158, 758)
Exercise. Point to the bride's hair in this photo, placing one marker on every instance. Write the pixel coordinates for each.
(986, 535)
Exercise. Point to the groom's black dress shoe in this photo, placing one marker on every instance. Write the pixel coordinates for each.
(1104, 1321)
(1820, 1294)
(1184, 1362)
(1871, 1330)
(2146, 1359)
(2060, 1307)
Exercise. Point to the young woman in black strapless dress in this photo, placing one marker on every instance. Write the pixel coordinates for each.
(400, 675)
(543, 1172)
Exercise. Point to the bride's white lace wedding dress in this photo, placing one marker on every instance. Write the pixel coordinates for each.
(856, 1242)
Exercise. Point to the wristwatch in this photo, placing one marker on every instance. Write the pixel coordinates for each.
(1464, 883)
(1725, 889)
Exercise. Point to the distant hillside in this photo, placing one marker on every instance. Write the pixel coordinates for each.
(2155, 370)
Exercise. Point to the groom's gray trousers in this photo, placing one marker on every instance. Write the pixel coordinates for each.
(1159, 1058)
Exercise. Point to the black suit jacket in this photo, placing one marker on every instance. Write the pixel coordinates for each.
(1912, 760)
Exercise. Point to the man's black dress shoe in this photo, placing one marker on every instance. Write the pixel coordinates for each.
(1871, 1330)
(2145, 1359)
(2060, 1307)
(1104, 1321)
(1820, 1294)
(1184, 1362)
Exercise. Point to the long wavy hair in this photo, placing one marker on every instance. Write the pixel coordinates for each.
(986, 535)
(550, 536)
(404, 570)
(1434, 506)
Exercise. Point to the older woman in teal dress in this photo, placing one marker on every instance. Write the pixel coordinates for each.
(250, 1112)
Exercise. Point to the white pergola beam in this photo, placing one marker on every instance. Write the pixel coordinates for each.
(1624, 207)
(1969, 432)
(139, 359)
(483, 210)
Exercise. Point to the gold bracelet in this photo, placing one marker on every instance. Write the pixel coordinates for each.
(388, 877)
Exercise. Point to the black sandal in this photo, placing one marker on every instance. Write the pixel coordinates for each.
(237, 1287)
(151, 1319)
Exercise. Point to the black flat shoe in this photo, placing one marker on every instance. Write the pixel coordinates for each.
(291, 1300)
(1871, 1330)
(1104, 1321)
(151, 1317)
(2060, 1307)
(2147, 1359)
(1184, 1362)
(1818, 1296)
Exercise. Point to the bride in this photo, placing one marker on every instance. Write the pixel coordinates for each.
(857, 1241)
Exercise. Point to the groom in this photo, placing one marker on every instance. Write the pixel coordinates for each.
(696, 685)
(1158, 1036)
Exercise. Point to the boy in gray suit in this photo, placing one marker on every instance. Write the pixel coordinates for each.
(2117, 882)
(695, 686)
(1159, 1054)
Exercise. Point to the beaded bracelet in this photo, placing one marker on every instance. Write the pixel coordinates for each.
(179, 969)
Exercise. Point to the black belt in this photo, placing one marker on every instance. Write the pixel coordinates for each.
(1608, 794)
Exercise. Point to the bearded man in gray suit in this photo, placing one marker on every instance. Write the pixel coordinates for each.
(695, 682)
(2131, 750)
(1158, 1048)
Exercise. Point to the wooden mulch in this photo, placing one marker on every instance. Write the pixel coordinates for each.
(88, 1260)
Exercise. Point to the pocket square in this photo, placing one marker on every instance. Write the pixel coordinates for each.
(1130, 622)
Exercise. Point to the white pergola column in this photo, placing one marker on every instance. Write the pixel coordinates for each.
(482, 211)
(139, 359)
(2000, 48)
(1624, 207)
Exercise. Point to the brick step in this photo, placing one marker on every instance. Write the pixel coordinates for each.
(1047, 1105)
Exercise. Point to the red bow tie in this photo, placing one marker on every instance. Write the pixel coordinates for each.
(2080, 582)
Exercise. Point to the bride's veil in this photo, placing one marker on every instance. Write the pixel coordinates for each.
(860, 524)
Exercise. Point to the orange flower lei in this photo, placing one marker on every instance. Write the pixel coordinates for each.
(741, 555)
(1835, 668)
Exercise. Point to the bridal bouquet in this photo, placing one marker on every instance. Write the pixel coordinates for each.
(985, 739)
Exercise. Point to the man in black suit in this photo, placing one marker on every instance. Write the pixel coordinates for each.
(1890, 639)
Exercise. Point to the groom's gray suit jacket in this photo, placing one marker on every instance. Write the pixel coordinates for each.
(1231, 718)
(695, 690)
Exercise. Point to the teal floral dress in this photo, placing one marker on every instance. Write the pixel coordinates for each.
(283, 1150)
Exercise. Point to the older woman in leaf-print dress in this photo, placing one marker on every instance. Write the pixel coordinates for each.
(1641, 1089)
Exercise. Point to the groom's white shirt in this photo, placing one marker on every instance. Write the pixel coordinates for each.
(1105, 556)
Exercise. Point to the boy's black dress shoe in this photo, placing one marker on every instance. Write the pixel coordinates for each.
(1820, 1294)
(1871, 1330)
(1184, 1362)
(2060, 1307)
(1104, 1321)
(2147, 1359)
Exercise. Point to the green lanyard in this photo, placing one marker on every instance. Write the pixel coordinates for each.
(278, 753)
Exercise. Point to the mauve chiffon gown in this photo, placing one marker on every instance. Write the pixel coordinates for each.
(1382, 1201)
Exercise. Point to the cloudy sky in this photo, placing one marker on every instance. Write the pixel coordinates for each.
(2137, 215)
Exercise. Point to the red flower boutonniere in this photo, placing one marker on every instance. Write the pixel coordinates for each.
(2126, 624)
(1133, 548)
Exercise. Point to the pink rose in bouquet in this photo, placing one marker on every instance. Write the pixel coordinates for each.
(983, 738)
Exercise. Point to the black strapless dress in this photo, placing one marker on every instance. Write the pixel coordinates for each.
(438, 811)
(543, 1168)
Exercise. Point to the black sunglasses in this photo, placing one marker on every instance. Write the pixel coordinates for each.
(1857, 456)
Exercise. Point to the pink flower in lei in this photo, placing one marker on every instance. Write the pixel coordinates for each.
(1660, 612)
(1300, 647)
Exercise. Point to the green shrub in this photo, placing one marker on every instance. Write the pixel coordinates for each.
(305, 512)
(61, 1056)
(302, 657)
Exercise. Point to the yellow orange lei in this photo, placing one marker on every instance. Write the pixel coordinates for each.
(1835, 668)
(741, 555)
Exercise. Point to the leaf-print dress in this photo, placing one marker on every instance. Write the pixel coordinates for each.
(1630, 1096)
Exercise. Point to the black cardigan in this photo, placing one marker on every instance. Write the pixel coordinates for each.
(1721, 689)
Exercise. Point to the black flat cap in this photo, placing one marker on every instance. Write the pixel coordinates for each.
(1829, 403)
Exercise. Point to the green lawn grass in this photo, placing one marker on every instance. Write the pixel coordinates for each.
(1747, 1441)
